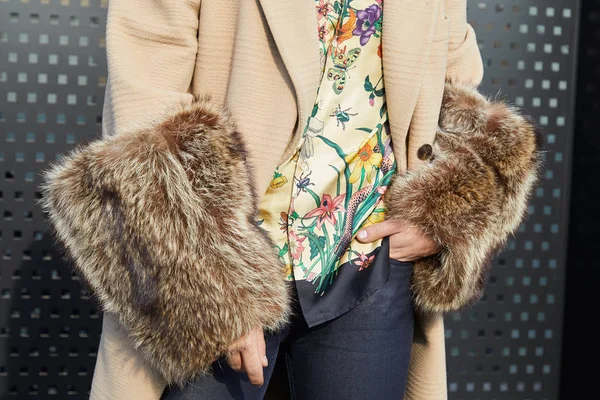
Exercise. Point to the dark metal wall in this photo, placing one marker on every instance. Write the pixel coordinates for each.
(580, 348)
(508, 346)
(52, 75)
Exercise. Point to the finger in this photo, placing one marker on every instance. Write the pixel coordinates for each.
(378, 231)
(403, 240)
(261, 347)
(235, 361)
(253, 365)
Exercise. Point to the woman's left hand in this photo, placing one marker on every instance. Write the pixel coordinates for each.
(407, 242)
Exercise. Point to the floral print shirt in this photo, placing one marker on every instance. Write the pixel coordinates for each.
(332, 184)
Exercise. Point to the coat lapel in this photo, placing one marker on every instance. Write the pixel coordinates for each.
(293, 25)
(408, 27)
(407, 32)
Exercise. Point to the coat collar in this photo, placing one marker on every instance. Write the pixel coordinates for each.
(407, 30)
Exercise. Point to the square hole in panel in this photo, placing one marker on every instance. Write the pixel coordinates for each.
(562, 85)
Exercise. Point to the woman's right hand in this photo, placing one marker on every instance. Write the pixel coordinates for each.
(250, 356)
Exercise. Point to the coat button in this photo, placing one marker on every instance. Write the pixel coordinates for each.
(424, 152)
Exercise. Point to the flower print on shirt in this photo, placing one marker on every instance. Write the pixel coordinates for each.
(367, 157)
(323, 8)
(296, 246)
(326, 211)
(334, 181)
(364, 261)
(366, 23)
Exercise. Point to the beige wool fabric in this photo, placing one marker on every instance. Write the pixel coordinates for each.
(261, 60)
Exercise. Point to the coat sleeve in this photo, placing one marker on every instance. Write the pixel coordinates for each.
(464, 59)
(470, 196)
(151, 48)
(156, 216)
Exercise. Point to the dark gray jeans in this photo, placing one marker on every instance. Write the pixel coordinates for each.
(362, 354)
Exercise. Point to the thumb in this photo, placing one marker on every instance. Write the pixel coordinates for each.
(376, 231)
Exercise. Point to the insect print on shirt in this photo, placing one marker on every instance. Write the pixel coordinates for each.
(342, 62)
(342, 116)
(303, 182)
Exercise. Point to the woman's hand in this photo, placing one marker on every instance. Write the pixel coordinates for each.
(407, 242)
(250, 356)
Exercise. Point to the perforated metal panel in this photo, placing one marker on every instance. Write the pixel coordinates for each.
(508, 346)
(52, 75)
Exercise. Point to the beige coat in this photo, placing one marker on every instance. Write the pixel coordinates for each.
(260, 58)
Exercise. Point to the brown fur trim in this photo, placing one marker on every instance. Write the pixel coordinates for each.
(159, 224)
(470, 197)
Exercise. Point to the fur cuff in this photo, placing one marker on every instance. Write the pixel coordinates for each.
(470, 197)
(159, 225)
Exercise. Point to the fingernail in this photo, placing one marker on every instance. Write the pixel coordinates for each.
(265, 360)
(362, 234)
